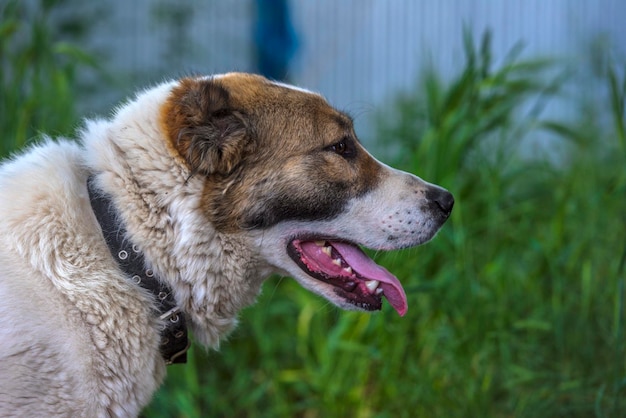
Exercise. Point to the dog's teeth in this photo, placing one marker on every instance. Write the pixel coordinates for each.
(372, 285)
(337, 262)
(327, 250)
(320, 243)
(348, 270)
(379, 290)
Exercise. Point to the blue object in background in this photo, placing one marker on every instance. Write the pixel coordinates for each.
(275, 38)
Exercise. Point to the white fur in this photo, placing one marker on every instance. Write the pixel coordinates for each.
(62, 348)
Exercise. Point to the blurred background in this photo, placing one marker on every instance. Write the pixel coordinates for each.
(515, 309)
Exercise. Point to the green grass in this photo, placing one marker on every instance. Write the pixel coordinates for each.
(516, 309)
(37, 75)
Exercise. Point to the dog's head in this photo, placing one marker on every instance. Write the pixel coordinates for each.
(286, 169)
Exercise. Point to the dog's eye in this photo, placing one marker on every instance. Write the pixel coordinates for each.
(345, 147)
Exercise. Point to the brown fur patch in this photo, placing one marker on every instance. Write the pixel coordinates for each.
(267, 149)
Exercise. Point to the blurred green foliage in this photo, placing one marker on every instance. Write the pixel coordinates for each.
(516, 308)
(37, 73)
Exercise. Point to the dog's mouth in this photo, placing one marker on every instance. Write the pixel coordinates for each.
(354, 276)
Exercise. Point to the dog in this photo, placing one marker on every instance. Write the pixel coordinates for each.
(170, 215)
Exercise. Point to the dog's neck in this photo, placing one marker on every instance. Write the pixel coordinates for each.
(174, 340)
(212, 275)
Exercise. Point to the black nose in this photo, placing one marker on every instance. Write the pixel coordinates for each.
(442, 198)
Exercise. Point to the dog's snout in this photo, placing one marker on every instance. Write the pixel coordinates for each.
(443, 199)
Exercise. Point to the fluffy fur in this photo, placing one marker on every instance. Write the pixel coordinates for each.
(213, 178)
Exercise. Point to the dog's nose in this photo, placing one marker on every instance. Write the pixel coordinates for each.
(443, 199)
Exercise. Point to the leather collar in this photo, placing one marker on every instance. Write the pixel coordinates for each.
(174, 339)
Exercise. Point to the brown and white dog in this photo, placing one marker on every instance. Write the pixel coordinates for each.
(218, 182)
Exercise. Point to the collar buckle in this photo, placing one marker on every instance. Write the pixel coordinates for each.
(172, 315)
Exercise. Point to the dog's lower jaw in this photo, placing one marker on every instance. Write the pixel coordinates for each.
(324, 255)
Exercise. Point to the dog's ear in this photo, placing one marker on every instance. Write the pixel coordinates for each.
(207, 132)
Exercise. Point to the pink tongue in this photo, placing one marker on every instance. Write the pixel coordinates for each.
(366, 267)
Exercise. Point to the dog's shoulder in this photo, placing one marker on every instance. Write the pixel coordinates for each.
(39, 189)
(34, 203)
(38, 182)
(53, 257)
